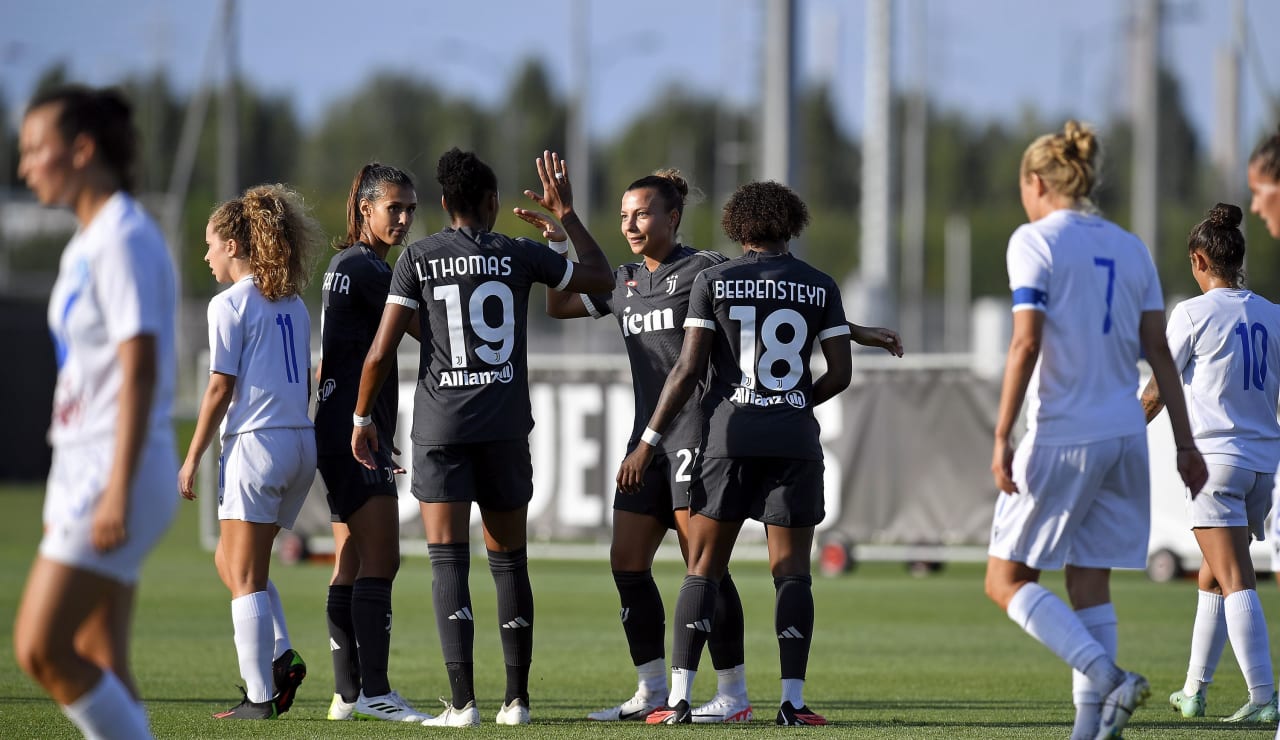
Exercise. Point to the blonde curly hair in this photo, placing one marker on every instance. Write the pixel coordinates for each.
(1067, 162)
(272, 223)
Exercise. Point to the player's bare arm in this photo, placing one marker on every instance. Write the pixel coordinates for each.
(138, 370)
(591, 273)
(1152, 404)
(870, 336)
(839, 370)
(560, 304)
(377, 365)
(1151, 332)
(692, 364)
(1024, 350)
(213, 407)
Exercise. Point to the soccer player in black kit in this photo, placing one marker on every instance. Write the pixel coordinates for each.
(472, 418)
(363, 502)
(649, 300)
(753, 321)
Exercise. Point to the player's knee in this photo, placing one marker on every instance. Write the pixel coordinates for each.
(37, 656)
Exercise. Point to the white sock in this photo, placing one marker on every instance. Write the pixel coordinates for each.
(793, 691)
(681, 685)
(1208, 637)
(1047, 618)
(106, 712)
(251, 616)
(732, 681)
(1247, 628)
(277, 621)
(653, 677)
(1100, 621)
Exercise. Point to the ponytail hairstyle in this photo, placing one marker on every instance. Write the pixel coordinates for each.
(1220, 239)
(672, 188)
(106, 117)
(370, 184)
(271, 226)
(1067, 162)
(465, 181)
(1267, 156)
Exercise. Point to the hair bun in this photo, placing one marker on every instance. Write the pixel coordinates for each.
(1081, 139)
(676, 178)
(1225, 216)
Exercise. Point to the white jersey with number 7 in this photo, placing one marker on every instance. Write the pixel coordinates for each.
(1093, 281)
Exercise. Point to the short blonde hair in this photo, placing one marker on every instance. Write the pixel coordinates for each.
(1065, 161)
(271, 222)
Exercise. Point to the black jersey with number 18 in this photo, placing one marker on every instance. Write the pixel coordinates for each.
(471, 291)
(650, 308)
(766, 310)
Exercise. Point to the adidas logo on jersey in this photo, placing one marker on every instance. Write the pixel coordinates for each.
(702, 625)
(624, 612)
(464, 378)
(791, 633)
(463, 614)
(515, 624)
(639, 323)
(333, 645)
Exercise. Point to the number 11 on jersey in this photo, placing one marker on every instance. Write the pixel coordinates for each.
(285, 322)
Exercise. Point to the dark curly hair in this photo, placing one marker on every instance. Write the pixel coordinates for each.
(1267, 156)
(761, 212)
(1219, 237)
(465, 180)
(103, 115)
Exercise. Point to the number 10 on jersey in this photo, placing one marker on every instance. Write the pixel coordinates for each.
(1253, 345)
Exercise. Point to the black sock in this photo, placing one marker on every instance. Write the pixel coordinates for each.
(695, 609)
(462, 682)
(342, 644)
(371, 617)
(793, 620)
(451, 596)
(726, 640)
(644, 619)
(515, 618)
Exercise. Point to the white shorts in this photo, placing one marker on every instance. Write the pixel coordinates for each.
(1087, 505)
(1275, 525)
(76, 479)
(1233, 497)
(264, 475)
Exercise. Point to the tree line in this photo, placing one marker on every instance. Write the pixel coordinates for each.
(408, 121)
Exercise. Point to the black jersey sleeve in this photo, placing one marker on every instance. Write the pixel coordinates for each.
(406, 288)
(833, 320)
(701, 310)
(547, 266)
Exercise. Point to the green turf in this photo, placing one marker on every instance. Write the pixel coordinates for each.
(896, 656)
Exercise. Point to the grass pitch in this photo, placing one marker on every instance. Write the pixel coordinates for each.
(895, 656)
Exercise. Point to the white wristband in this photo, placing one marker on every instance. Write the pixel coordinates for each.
(650, 437)
(559, 247)
(361, 421)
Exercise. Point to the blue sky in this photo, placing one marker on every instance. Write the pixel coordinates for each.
(987, 58)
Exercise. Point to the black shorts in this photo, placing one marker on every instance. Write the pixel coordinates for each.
(496, 475)
(349, 484)
(664, 488)
(772, 490)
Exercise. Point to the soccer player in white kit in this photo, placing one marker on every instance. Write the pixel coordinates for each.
(1227, 345)
(109, 497)
(1086, 300)
(259, 391)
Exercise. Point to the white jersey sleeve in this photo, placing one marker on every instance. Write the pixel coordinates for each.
(1030, 268)
(1181, 336)
(226, 337)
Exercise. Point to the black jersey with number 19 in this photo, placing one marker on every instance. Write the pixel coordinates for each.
(471, 291)
(766, 310)
(650, 308)
(354, 292)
